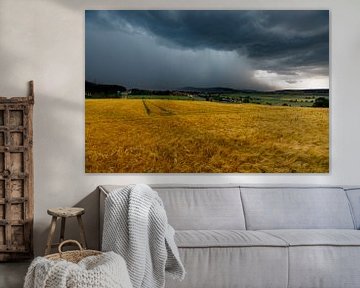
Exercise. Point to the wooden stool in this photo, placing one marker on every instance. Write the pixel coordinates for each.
(64, 213)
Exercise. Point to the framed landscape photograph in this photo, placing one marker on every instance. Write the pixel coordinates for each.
(197, 91)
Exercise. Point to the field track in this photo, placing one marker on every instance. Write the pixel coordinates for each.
(156, 136)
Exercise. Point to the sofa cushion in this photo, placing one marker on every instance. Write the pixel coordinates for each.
(223, 267)
(226, 238)
(199, 207)
(324, 266)
(315, 237)
(191, 208)
(296, 208)
(322, 258)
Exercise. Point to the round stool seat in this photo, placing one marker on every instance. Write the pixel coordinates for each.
(66, 211)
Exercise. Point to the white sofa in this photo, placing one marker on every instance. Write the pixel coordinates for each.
(264, 237)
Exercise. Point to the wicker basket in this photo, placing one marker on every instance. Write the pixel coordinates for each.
(72, 256)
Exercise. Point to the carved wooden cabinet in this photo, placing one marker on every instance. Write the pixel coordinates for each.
(16, 177)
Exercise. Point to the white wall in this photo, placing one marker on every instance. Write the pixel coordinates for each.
(43, 40)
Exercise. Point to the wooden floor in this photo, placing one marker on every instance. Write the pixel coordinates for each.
(12, 274)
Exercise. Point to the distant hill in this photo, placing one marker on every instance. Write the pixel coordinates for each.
(225, 90)
(106, 89)
(319, 92)
(110, 90)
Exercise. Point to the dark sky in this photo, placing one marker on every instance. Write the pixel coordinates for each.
(244, 49)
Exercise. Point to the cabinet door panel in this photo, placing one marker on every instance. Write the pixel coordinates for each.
(16, 183)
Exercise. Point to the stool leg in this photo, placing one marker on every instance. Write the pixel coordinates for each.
(62, 231)
(51, 235)
(82, 232)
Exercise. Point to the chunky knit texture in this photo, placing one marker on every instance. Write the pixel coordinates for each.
(103, 271)
(136, 227)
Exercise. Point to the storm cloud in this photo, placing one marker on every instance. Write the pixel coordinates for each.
(240, 49)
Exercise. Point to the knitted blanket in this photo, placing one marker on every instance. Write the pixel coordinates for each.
(136, 227)
(102, 271)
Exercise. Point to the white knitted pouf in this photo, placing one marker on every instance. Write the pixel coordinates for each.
(107, 270)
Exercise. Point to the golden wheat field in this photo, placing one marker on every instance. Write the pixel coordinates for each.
(155, 136)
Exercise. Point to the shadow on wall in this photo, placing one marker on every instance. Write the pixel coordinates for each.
(58, 175)
(90, 219)
(28, 51)
(9, 85)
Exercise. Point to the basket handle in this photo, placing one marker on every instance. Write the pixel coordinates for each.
(69, 241)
